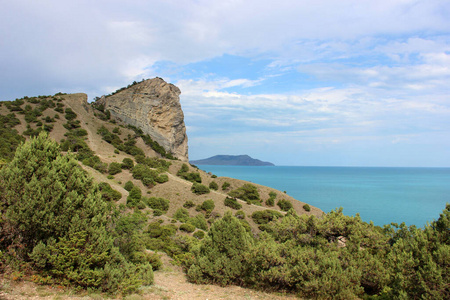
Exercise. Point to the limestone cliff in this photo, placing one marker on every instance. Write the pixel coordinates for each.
(154, 106)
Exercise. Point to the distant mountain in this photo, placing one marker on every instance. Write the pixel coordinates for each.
(231, 160)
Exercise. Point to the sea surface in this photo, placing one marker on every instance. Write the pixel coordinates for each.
(382, 195)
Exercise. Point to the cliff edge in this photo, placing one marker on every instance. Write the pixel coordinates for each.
(154, 106)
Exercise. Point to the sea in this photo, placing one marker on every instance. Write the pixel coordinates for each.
(382, 195)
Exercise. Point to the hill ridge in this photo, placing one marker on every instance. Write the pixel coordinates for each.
(231, 160)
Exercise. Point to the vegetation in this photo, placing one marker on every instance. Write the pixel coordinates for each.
(114, 168)
(248, 192)
(284, 204)
(55, 222)
(221, 259)
(225, 185)
(10, 138)
(199, 189)
(213, 185)
(158, 203)
(306, 207)
(61, 228)
(190, 176)
(337, 256)
(271, 200)
(108, 193)
(231, 202)
(127, 163)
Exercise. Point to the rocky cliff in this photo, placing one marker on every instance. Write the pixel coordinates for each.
(154, 106)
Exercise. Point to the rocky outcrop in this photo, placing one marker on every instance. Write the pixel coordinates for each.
(152, 105)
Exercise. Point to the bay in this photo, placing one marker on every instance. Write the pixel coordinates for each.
(382, 195)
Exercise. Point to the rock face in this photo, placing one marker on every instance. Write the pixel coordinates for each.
(154, 106)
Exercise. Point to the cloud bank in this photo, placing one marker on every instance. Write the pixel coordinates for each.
(293, 82)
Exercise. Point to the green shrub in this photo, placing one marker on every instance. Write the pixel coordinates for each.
(188, 204)
(148, 181)
(116, 130)
(162, 178)
(127, 163)
(225, 185)
(128, 186)
(265, 216)
(199, 234)
(114, 168)
(190, 176)
(199, 189)
(108, 193)
(213, 185)
(69, 238)
(199, 221)
(101, 167)
(187, 227)
(158, 203)
(306, 207)
(158, 212)
(284, 204)
(181, 215)
(271, 200)
(221, 256)
(134, 197)
(231, 202)
(240, 215)
(110, 177)
(70, 114)
(208, 205)
(247, 192)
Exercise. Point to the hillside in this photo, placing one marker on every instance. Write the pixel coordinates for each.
(102, 140)
(231, 160)
(92, 206)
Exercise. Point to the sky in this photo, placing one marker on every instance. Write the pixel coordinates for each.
(293, 82)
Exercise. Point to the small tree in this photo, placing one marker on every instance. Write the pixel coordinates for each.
(213, 185)
(199, 189)
(221, 258)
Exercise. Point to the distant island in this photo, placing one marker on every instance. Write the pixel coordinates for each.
(231, 160)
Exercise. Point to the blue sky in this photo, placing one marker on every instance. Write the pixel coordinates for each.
(341, 83)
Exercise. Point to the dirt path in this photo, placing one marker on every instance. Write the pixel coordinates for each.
(170, 283)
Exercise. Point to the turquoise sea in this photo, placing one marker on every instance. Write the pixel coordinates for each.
(382, 195)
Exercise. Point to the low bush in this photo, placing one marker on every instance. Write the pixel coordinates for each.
(162, 178)
(284, 204)
(114, 168)
(198, 221)
(208, 205)
(271, 200)
(182, 215)
(187, 227)
(158, 203)
(240, 215)
(213, 185)
(134, 197)
(306, 207)
(199, 189)
(265, 216)
(188, 204)
(70, 114)
(225, 185)
(108, 193)
(128, 185)
(199, 234)
(231, 202)
(127, 163)
(247, 192)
